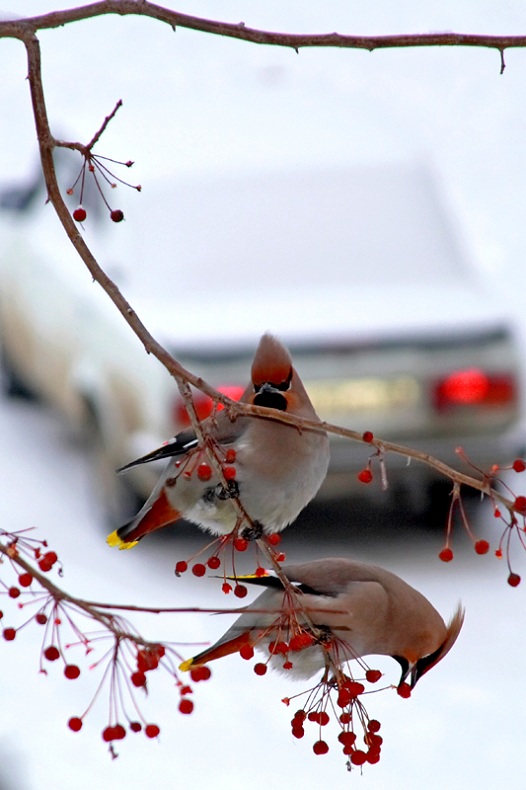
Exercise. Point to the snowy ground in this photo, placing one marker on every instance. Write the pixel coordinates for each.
(462, 728)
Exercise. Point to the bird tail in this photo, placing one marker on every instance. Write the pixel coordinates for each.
(218, 650)
(158, 515)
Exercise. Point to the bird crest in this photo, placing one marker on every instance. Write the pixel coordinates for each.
(272, 364)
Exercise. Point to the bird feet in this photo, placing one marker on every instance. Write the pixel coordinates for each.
(231, 491)
(254, 532)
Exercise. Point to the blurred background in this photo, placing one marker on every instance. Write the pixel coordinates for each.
(438, 132)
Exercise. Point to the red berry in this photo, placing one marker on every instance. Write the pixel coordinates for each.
(367, 436)
(240, 590)
(274, 539)
(373, 756)
(298, 732)
(246, 652)
(204, 472)
(186, 706)
(213, 563)
(260, 571)
(320, 747)
(13, 592)
(75, 724)
(373, 675)
(275, 648)
(229, 472)
(9, 634)
(373, 740)
(240, 544)
(50, 556)
(1, 614)
(51, 653)
(347, 738)
(374, 725)
(301, 641)
(117, 215)
(181, 567)
(230, 456)
(41, 618)
(25, 579)
(119, 732)
(108, 734)
(519, 465)
(446, 555)
(226, 587)
(71, 671)
(345, 718)
(520, 504)
(323, 718)
(79, 215)
(260, 669)
(404, 690)
(365, 476)
(288, 665)
(138, 679)
(135, 726)
(513, 580)
(358, 757)
(198, 569)
(353, 688)
(152, 730)
(482, 546)
(200, 673)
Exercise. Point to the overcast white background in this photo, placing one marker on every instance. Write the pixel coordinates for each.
(195, 103)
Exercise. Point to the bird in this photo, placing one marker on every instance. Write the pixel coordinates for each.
(344, 610)
(274, 468)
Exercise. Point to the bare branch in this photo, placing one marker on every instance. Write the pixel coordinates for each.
(23, 28)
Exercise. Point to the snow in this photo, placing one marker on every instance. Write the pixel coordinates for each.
(464, 721)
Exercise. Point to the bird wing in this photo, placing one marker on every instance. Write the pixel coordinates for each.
(179, 445)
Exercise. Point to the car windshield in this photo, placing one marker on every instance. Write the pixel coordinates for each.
(338, 229)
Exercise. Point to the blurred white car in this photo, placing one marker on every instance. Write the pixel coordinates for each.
(356, 270)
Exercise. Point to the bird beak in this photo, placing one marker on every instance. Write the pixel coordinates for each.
(270, 396)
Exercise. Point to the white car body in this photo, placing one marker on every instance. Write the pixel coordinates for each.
(356, 271)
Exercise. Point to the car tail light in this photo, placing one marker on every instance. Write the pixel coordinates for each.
(474, 387)
(204, 404)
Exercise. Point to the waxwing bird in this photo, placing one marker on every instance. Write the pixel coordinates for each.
(277, 467)
(357, 610)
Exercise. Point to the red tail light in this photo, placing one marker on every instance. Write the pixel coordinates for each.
(204, 404)
(474, 387)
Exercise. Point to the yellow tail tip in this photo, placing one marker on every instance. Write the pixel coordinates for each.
(186, 666)
(249, 576)
(114, 540)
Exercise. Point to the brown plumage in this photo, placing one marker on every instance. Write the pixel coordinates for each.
(361, 609)
(278, 468)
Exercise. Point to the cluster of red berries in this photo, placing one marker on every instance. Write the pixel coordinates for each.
(116, 732)
(353, 715)
(16, 547)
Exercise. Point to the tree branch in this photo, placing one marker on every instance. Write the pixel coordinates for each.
(22, 28)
